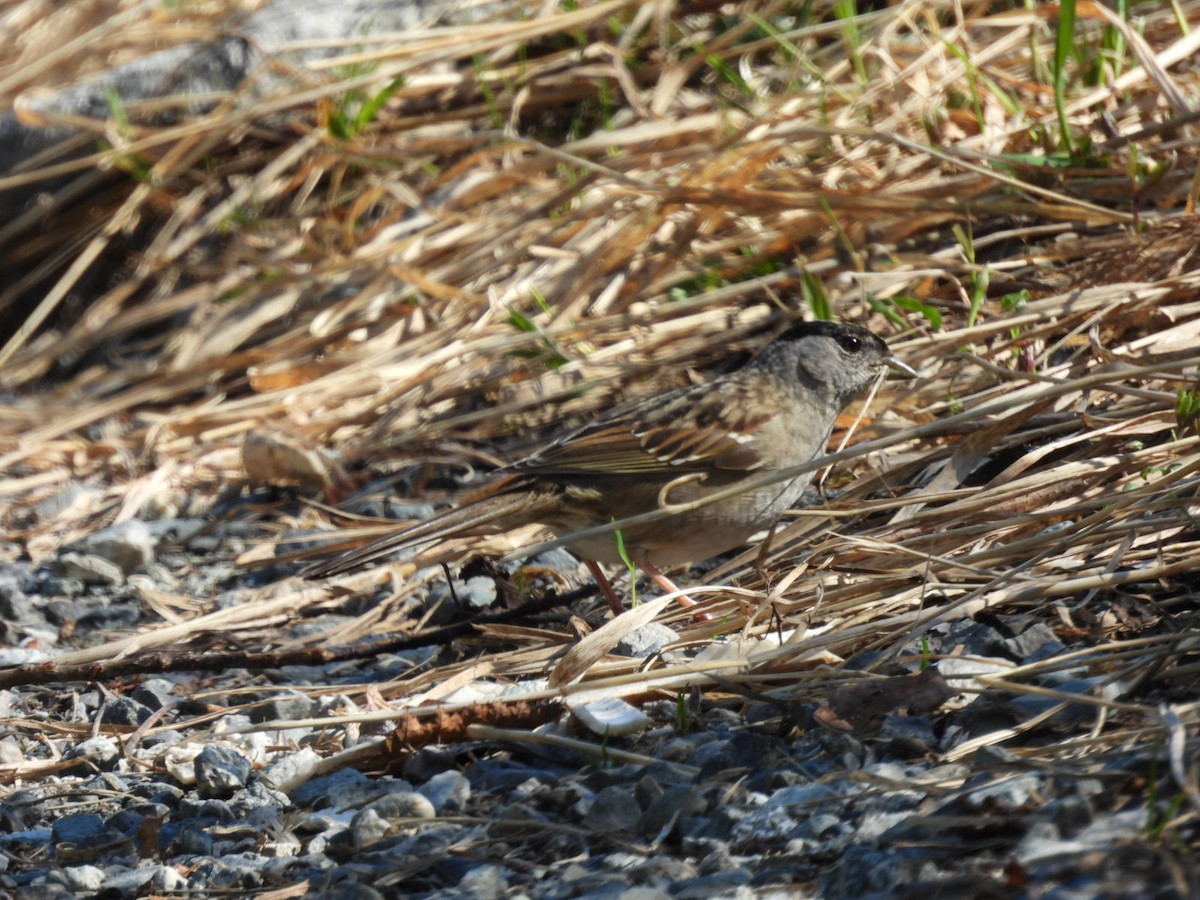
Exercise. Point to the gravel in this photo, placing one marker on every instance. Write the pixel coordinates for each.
(734, 797)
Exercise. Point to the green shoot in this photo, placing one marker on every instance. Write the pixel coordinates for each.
(728, 73)
(357, 108)
(1064, 49)
(489, 96)
(548, 351)
(979, 279)
(812, 292)
(629, 564)
(116, 109)
(930, 314)
(1108, 62)
(845, 11)
(1014, 303)
(953, 403)
(1187, 410)
(1159, 820)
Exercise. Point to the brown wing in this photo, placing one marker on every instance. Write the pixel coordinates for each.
(707, 426)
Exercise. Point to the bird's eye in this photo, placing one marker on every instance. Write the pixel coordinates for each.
(851, 343)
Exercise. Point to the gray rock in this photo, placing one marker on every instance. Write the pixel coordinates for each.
(10, 752)
(27, 838)
(718, 884)
(822, 826)
(863, 871)
(155, 693)
(282, 845)
(347, 891)
(342, 789)
(647, 790)
(42, 890)
(15, 605)
(665, 813)
(282, 708)
(191, 841)
(403, 805)
(83, 879)
(1009, 794)
(122, 615)
(804, 795)
(367, 828)
(259, 803)
(77, 829)
(874, 825)
(1072, 714)
(477, 592)
(220, 772)
(129, 544)
(71, 494)
(167, 879)
(993, 756)
(613, 809)
(129, 882)
(1035, 643)
(124, 711)
(91, 569)
(59, 586)
(644, 642)
(643, 893)
(1070, 814)
(20, 656)
(910, 736)
(233, 872)
(100, 751)
(287, 773)
(962, 672)
(484, 883)
(448, 792)
(766, 824)
(125, 821)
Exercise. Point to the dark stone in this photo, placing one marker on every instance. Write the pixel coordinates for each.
(15, 605)
(427, 762)
(129, 544)
(107, 618)
(155, 693)
(282, 708)
(220, 772)
(126, 822)
(99, 752)
(1033, 644)
(909, 736)
(614, 809)
(158, 793)
(190, 840)
(715, 885)
(206, 810)
(669, 810)
(43, 892)
(342, 788)
(124, 711)
(77, 829)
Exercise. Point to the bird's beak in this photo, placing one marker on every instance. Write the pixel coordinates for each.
(899, 369)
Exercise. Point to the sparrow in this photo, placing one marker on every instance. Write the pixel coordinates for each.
(775, 412)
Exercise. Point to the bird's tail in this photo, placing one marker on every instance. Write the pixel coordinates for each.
(488, 514)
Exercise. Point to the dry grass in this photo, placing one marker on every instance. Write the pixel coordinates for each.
(545, 211)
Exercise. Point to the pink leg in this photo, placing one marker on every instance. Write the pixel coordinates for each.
(665, 583)
(606, 587)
